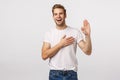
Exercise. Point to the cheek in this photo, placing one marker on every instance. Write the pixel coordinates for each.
(63, 17)
(54, 18)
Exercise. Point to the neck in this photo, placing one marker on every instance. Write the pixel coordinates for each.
(61, 27)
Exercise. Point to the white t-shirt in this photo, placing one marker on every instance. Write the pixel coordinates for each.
(65, 59)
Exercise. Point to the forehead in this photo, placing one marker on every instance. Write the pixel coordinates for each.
(58, 10)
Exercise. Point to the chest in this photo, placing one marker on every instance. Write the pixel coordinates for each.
(57, 36)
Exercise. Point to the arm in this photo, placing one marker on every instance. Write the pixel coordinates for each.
(86, 45)
(48, 52)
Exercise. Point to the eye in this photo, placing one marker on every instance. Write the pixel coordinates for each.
(55, 14)
(61, 13)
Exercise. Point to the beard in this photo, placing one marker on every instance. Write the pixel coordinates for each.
(60, 23)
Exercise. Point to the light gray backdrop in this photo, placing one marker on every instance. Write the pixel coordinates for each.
(24, 22)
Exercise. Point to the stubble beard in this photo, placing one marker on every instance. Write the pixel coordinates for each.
(60, 25)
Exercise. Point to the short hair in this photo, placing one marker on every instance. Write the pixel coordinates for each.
(58, 6)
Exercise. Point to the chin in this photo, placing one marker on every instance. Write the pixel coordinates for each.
(59, 25)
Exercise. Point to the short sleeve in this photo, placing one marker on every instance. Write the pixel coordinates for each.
(79, 36)
(46, 37)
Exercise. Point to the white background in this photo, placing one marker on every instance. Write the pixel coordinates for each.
(24, 22)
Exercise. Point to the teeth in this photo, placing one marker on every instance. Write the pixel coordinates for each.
(59, 20)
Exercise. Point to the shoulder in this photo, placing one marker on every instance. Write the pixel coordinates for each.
(50, 31)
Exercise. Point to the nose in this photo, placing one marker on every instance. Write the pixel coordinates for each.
(58, 15)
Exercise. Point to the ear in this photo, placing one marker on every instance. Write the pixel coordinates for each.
(65, 15)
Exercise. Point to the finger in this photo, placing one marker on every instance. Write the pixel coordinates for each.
(82, 28)
(85, 22)
(69, 38)
(70, 42)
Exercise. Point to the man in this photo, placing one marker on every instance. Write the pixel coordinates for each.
(60, 45)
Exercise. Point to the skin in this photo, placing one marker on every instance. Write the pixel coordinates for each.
(59, 18)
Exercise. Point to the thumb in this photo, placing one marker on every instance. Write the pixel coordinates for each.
(64, 37)
(82, 28)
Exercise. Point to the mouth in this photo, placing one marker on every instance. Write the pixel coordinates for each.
(58, 20)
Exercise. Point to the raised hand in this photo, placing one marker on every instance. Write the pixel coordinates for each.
(86, 28)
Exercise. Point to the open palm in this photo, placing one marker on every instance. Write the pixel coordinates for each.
(86, 28)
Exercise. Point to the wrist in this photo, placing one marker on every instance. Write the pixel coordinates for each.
(60, 45)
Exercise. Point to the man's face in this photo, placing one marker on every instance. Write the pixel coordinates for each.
(59, 16)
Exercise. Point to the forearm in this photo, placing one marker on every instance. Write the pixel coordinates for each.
(88, 45)
(51, 52)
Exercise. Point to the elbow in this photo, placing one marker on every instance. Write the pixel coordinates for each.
(88, 52)
(44, 57)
